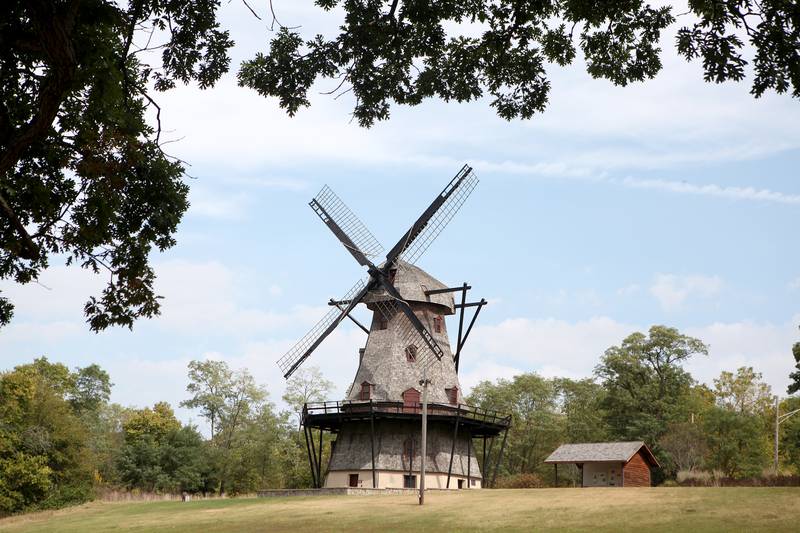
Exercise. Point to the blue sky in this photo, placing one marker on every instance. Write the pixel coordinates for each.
(671, 202)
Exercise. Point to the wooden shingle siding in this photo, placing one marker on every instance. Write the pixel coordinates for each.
(636, 472)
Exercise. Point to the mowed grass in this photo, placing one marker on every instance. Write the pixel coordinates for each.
(600, 509)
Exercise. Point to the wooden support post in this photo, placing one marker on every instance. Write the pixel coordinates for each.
(424, 437)
(488, 469)
(313, 458)
(555, 475)
(469, 459)
(453, 446)
(499, 458)
(460, 322)
(310, 457)
(372, 436)
(319, 461)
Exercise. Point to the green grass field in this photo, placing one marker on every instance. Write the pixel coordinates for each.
(613, 509)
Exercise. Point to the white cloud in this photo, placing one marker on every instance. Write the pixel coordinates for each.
(572, 349)
(555, 346)
(672, 290)
(795, 284)
(629, 290)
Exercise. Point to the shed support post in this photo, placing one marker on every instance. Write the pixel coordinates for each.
(453, 446)
(372, 437)
(555, 475)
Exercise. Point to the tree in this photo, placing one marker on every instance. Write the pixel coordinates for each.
(794, 386)
(306, 385)
(685, 446)
(44, 457)
(736, 442)
(83, 173)
(743, 392)
(209, 384)
(160, 454)
(646, 388)
(392, 51)
(536, 424)
(581, 405)
(91, 389)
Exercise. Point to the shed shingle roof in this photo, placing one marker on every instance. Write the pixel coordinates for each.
(599, 451)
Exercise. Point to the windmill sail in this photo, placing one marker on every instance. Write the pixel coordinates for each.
(347, 227)
(431, 223)
(305, 346)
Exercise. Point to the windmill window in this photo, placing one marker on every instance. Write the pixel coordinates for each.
(382, 323)
(452, 395)
(411, 353)
(392, 274)
(366, 391)
(437, 324)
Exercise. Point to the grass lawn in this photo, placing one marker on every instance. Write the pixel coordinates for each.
(600, 509)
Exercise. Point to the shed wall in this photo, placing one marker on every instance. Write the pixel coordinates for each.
(602, 474)
(637, 472)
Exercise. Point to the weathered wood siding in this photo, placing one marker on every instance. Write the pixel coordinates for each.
(636, 473)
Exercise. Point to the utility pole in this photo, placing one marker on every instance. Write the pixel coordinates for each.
(424, 382)
(780, 419)
(777, 427)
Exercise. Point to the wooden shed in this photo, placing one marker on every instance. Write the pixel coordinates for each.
(608, 464)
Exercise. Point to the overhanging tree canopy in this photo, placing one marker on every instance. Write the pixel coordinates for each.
(82, 173)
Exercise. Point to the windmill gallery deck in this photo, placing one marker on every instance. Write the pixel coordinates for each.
(378, 437)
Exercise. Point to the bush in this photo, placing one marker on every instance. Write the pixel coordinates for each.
(521, 481)
(702, 478)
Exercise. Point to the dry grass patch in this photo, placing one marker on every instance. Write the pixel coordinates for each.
(614, 509)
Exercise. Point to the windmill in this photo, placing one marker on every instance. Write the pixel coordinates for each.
(376, 426)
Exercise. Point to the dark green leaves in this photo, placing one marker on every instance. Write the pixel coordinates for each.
(406, 51)
(772, 28)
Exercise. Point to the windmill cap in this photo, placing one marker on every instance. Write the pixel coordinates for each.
(412, 282)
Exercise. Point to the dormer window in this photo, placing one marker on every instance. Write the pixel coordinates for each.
(411, 353)
(452, 395)
(437, 323)
(366, 391)
(411, 398)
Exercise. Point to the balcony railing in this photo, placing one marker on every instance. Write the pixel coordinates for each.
(366, 407)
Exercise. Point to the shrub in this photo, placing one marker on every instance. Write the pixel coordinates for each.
(521, 481)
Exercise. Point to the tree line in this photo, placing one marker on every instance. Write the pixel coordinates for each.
(640, 391)
(62, 440)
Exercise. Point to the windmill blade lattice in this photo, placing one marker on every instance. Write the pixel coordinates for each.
(300, 351)
(327, 204)
(459, 189)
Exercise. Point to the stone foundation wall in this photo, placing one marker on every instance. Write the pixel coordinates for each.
(352, 450)
(343, 491)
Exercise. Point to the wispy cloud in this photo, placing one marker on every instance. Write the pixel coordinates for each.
(795, 284)
(736, 193)
(672, 290)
